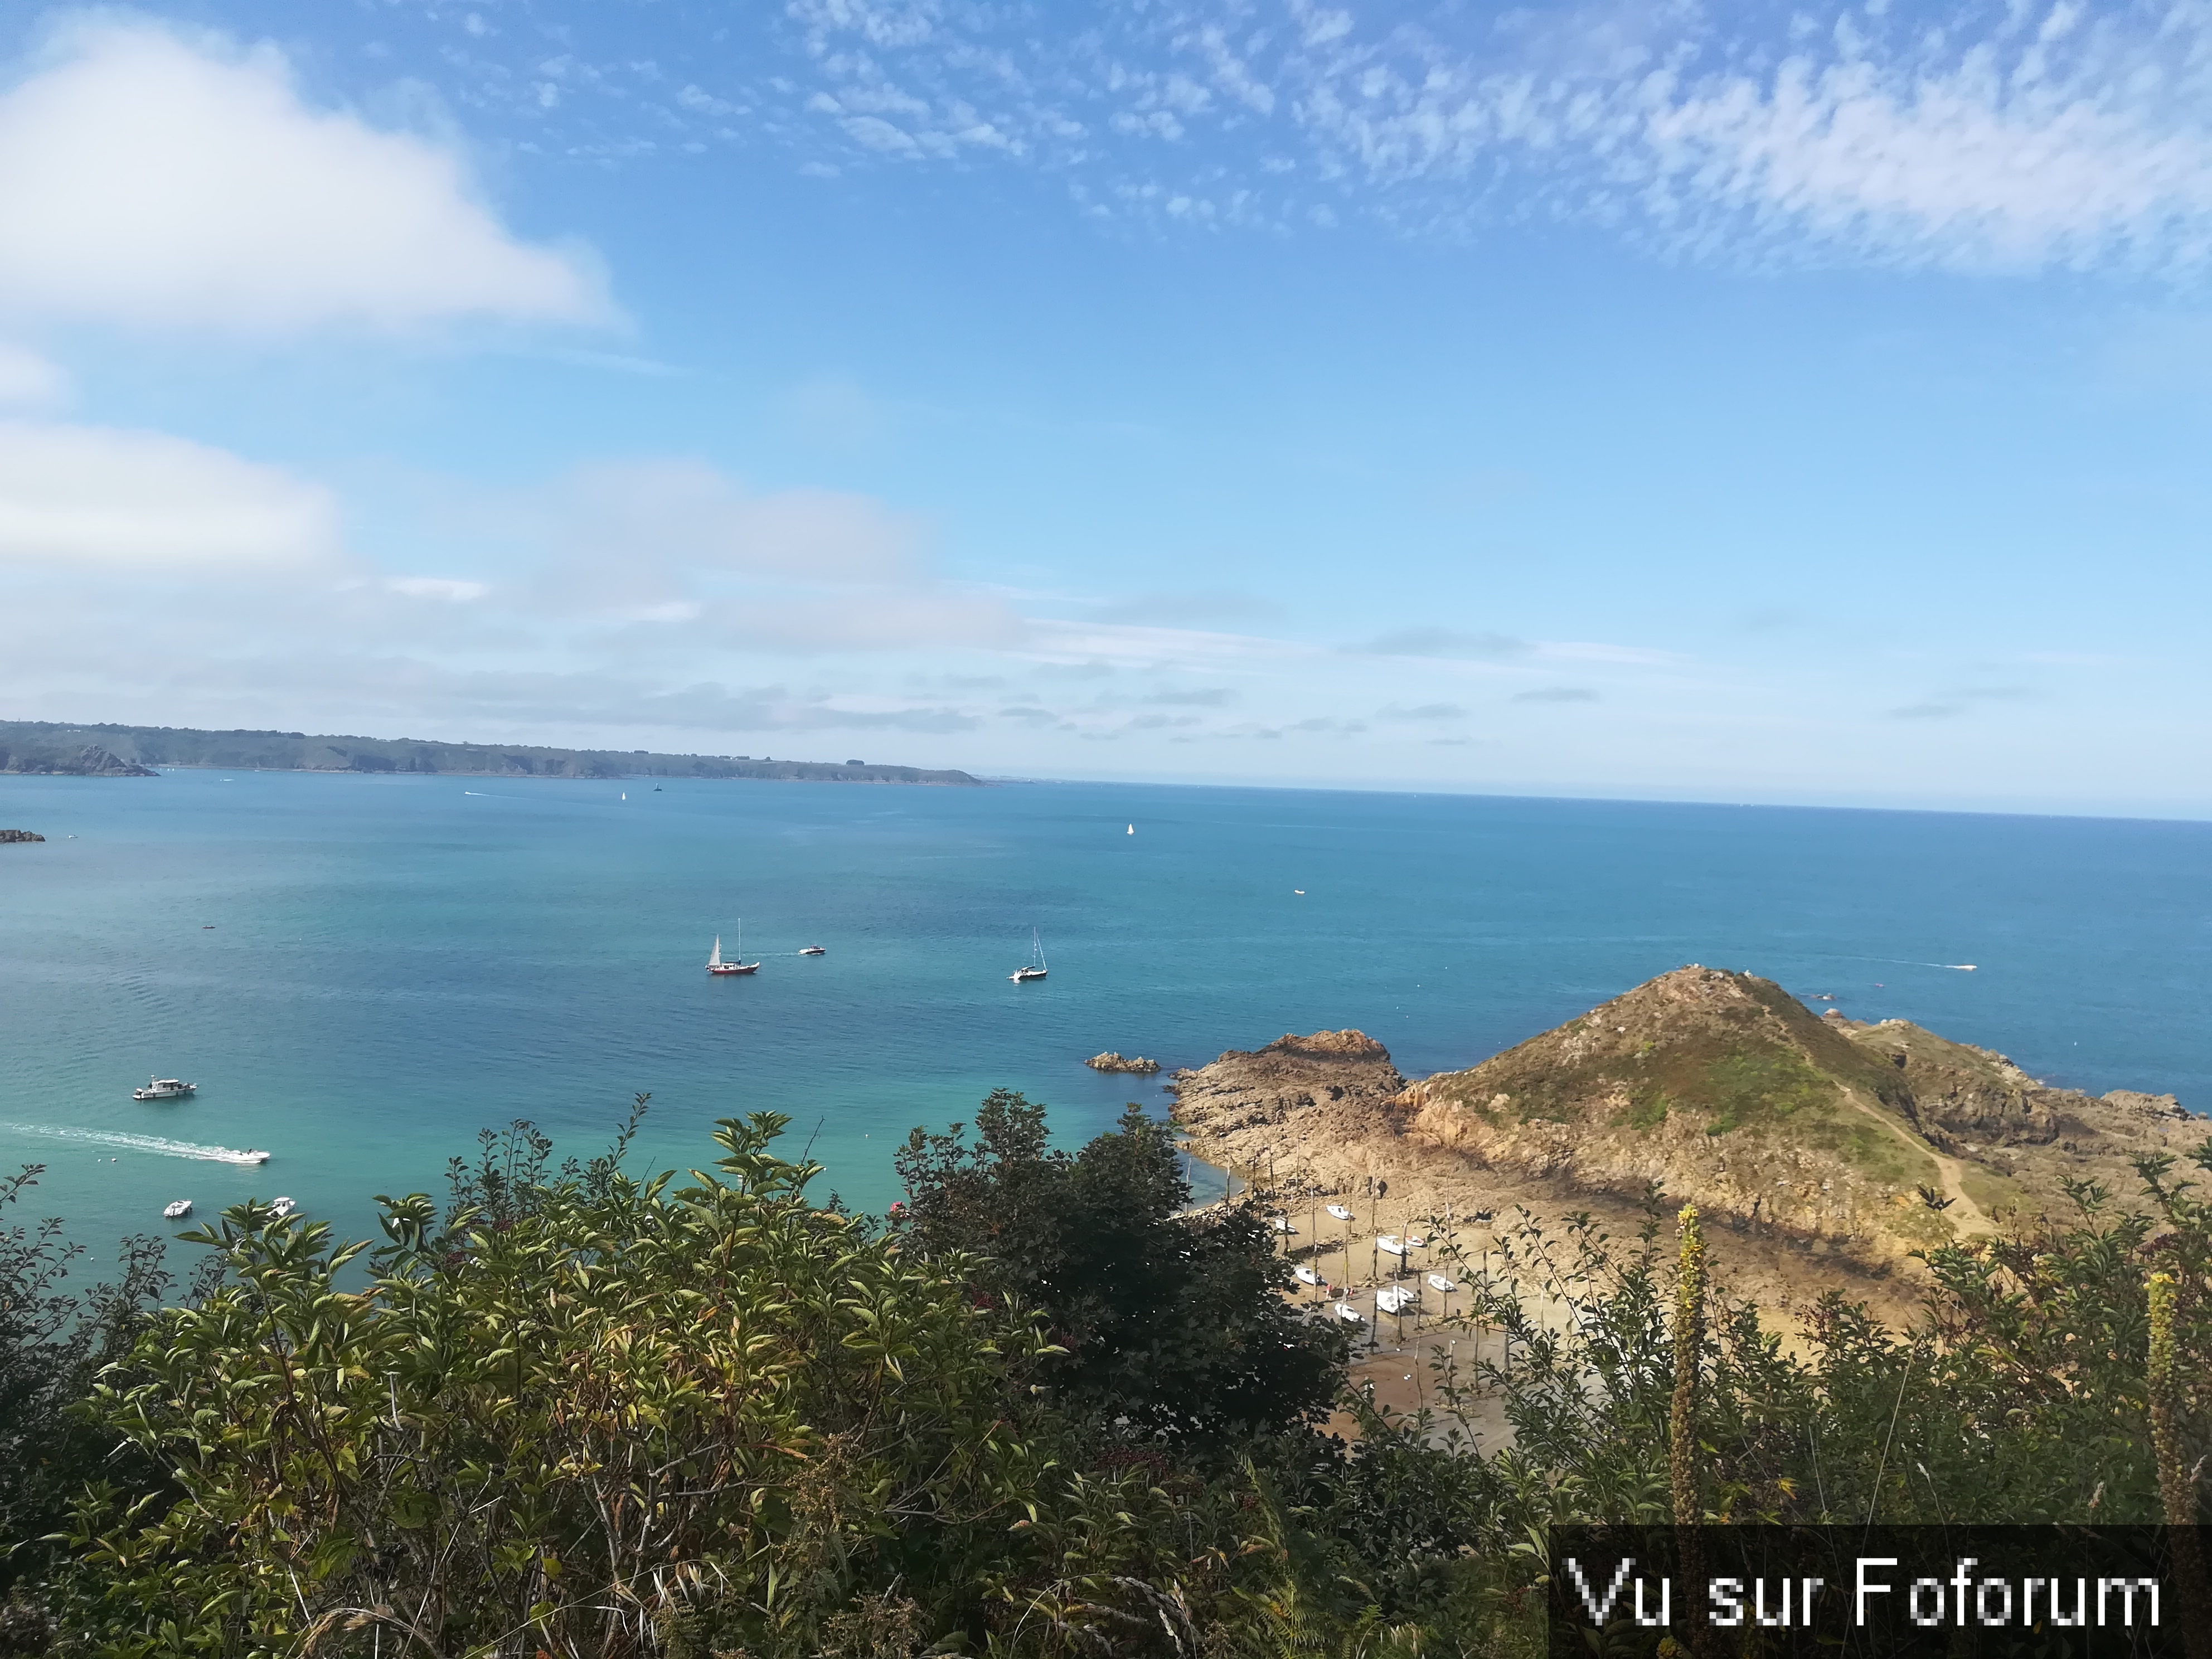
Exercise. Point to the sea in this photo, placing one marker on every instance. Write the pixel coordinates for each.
(361, 972)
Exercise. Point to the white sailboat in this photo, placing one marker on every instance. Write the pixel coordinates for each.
(738, 965)
(1034, 968)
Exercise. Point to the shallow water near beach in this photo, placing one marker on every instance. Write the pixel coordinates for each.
(360, 972)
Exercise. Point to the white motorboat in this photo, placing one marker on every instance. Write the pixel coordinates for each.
(738, 965)
(1339, 1212)
(1416, 1242)
(164, 1088)
(1034, 968)
(280, 1207)
(178, 1211)
(1390, 1244)
(252, 1156)
(813, 950)
(1396, 1299)
(1306, 1275)
(1438, 1282)
(1282, 1225)
(1345, 1312)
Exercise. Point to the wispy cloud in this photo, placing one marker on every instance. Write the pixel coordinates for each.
(1986, 135)
(1557, 693)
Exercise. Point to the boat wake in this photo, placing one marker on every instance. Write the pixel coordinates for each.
(154, 1144)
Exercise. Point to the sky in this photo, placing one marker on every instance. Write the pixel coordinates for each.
(1664, 401)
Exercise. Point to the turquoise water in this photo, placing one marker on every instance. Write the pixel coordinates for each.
(359, 972)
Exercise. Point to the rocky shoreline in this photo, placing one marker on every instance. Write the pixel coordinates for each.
(1824, 1150)
(11, 838)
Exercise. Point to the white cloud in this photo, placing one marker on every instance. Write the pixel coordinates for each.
(688, 514)
(2012, 136)
(28, 377)
(107, 498)
(149, 180)
(451, 589)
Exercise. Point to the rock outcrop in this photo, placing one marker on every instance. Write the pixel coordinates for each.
(1112, 1061)
(11, 836)
(91, 761)
(1869, 1140)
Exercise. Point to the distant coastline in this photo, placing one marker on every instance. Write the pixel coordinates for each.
(50, 749)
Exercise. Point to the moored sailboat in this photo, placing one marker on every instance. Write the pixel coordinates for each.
(1034, 968)
(738, 965)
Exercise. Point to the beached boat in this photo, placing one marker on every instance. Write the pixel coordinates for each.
(1282, 1225)
(1034, 968)
(1345, 1312)
(1339, 1212)
(1306, 1275)
(164, 1088)
(716, 965)
(1396, 1299)
(1390, 1244)
(1438, 1282)
(178, 1211)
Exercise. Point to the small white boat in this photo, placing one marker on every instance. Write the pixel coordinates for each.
(1282, 1225)
(1416, 1242)
(1438, 1282)
(1390, 1244)
(1034, 968)
(164, 1088)
(1345, 1312)
(1396, 1299)
(715, 964)
(253, 1156)
(1305, 1276)
(814, 950)
(1339, 1212)
(281, 1207)
(178, 1211)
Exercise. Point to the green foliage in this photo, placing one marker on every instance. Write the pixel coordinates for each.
(599, 1416)
(1172, 1323)
(52, 1344)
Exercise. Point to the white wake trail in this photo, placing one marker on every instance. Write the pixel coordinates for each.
(154, 1144)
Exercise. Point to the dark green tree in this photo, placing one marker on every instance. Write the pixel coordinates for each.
(1174, 1322)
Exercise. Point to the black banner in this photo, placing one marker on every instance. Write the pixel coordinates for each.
(1879, 1592)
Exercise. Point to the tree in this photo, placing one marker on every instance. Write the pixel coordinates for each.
(1174, 1323)
(52, 1344)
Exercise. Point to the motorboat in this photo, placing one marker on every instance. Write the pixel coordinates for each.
(1390, 1244)
(1282, 1225)
(280, 1207)
(814, 950)
(178, 1211)
(1339, 1212)
(1438, 1282)
(1306, 1275)
(164, 1088)
(1350, 1315)
(1416, 1242)
(1034, 968)
(1396, 1299)
(738, 964)
(250, 1156)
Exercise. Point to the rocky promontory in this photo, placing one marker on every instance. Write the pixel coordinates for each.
(11, 836)
(1800, 1133)
(1112, 1062)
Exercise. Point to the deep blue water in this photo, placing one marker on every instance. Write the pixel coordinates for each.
(393, 963)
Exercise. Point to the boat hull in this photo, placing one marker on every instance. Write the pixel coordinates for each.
(724, 969)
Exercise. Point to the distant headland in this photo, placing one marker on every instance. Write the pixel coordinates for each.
(51, 749)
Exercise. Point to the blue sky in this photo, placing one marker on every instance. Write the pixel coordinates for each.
(1730, 404)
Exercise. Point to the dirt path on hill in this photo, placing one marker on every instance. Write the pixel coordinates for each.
(1970, 1221)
